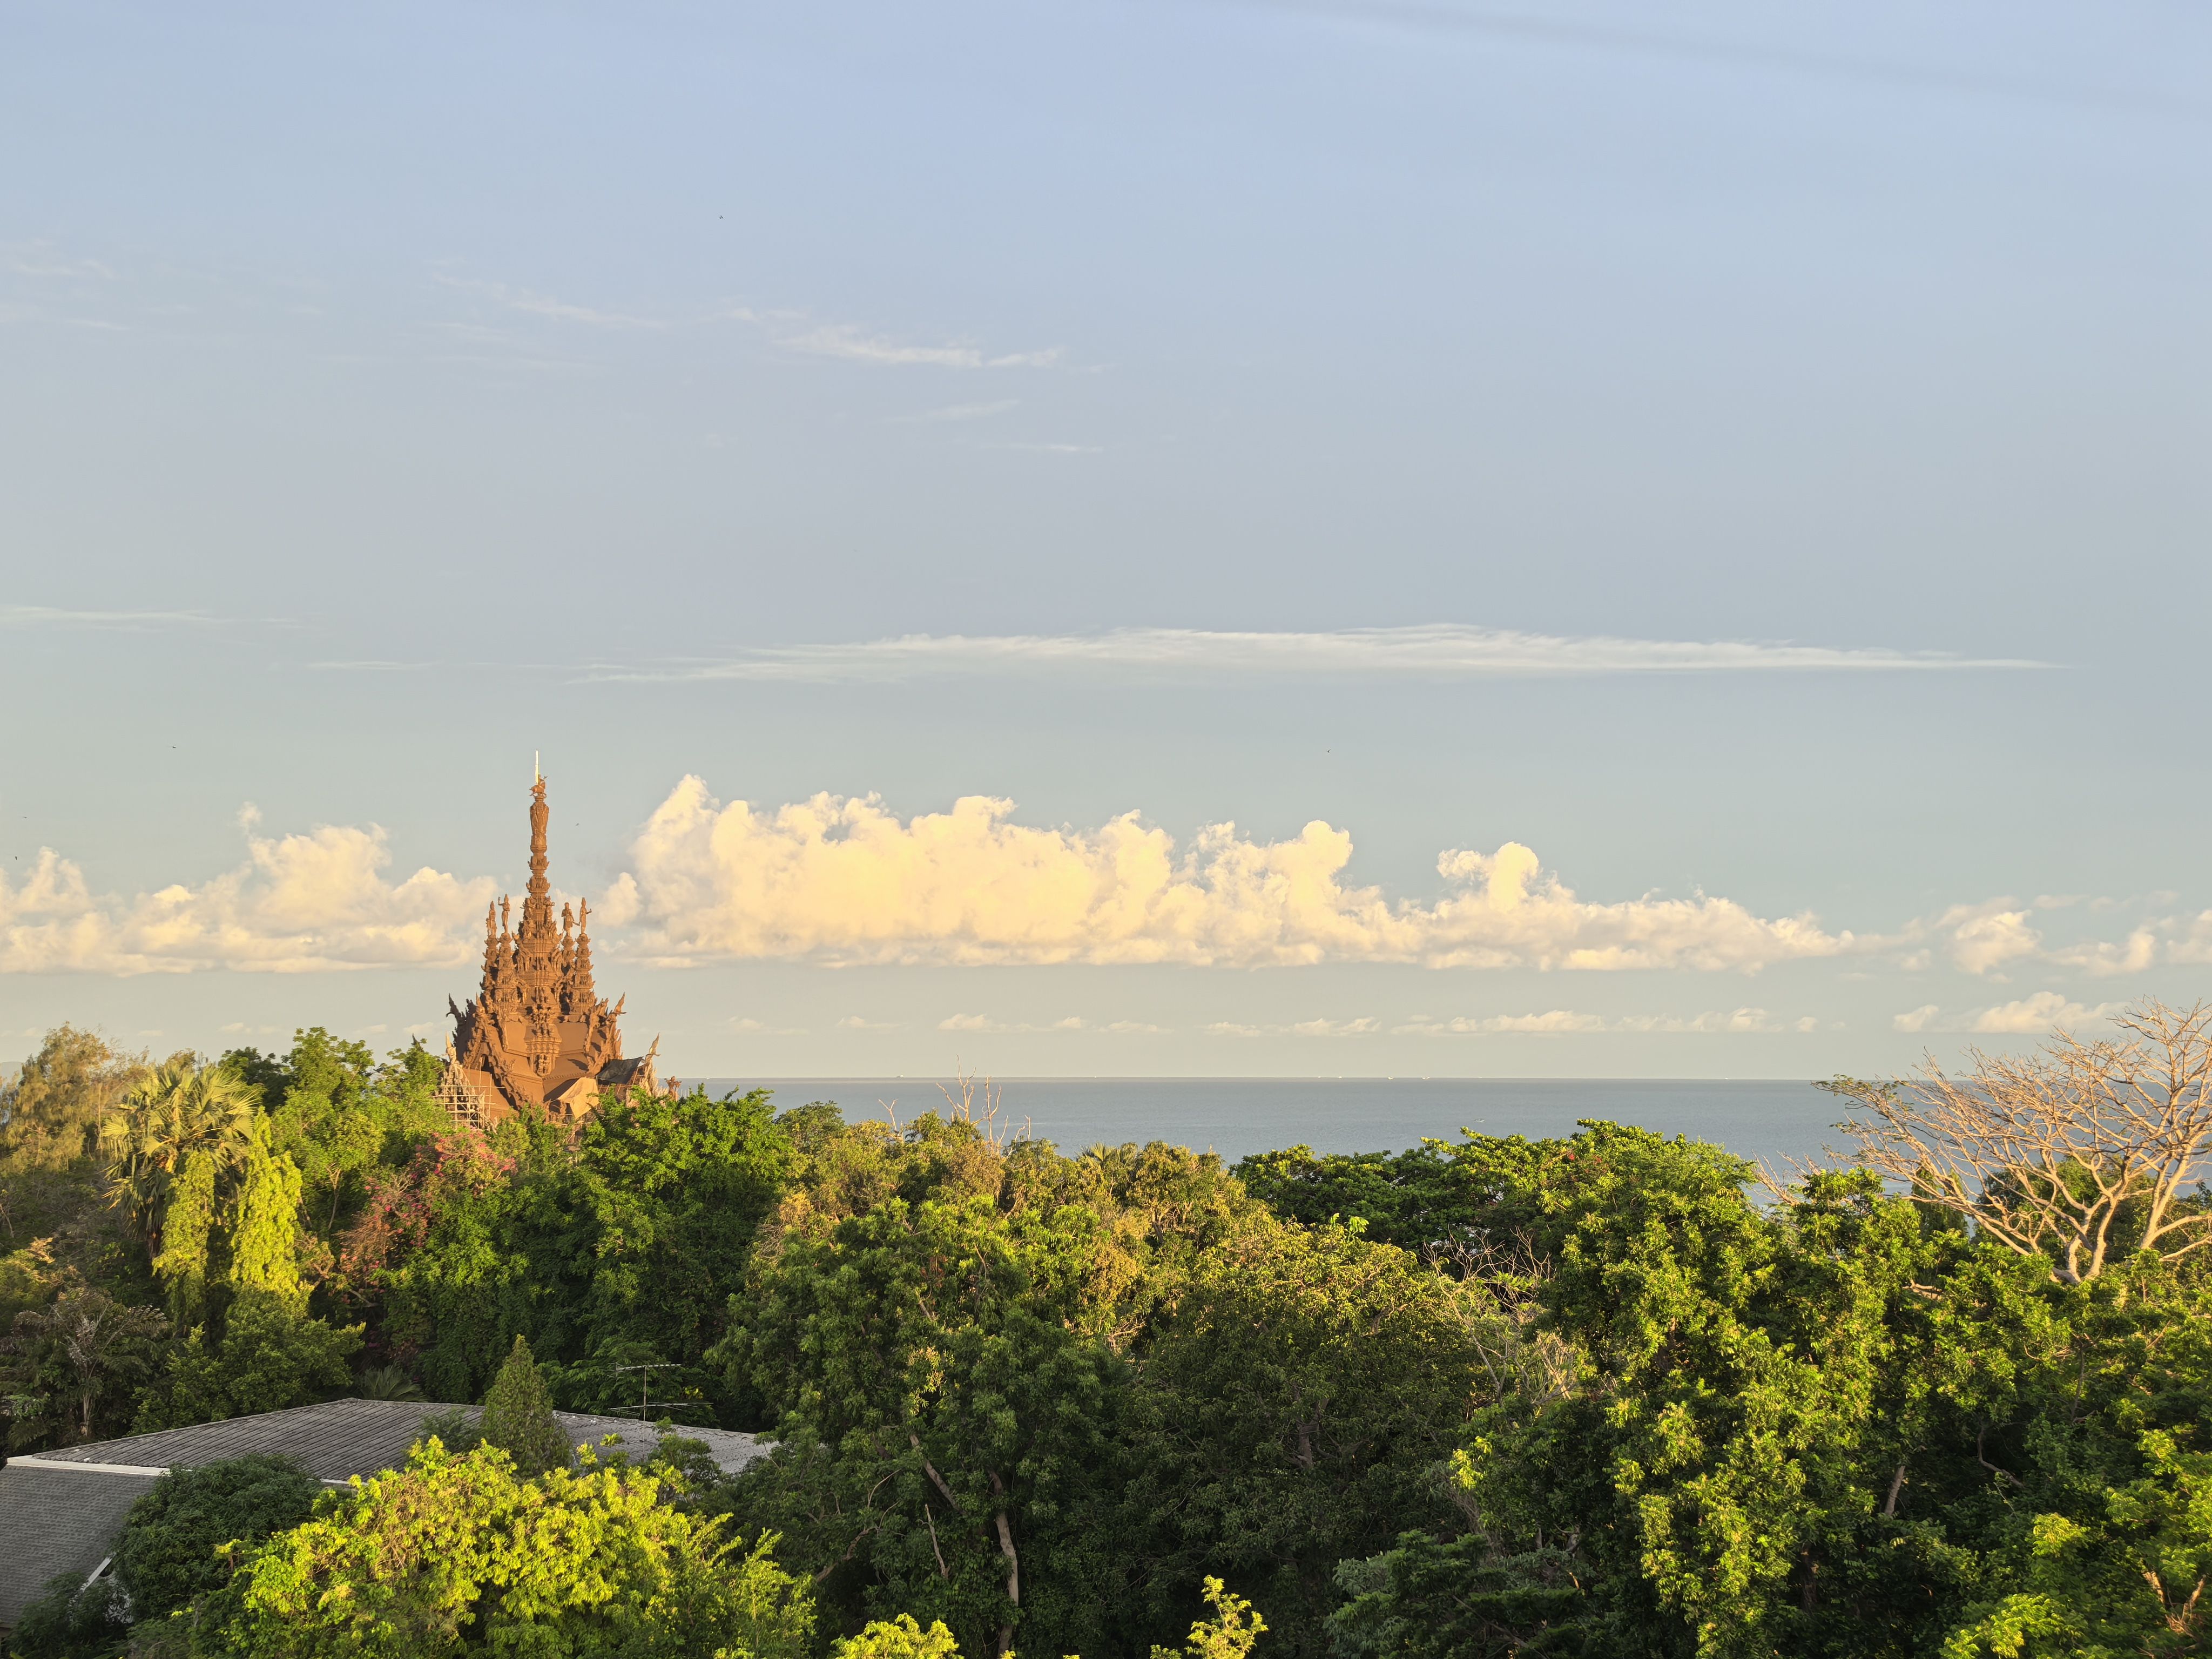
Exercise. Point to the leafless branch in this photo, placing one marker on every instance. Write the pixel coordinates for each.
(2080, 1151)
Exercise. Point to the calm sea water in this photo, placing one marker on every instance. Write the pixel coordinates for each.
(1237, 1116)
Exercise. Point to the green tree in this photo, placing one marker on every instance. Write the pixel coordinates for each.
(72, 1619)
(942, 1424)
(902, 1638)
(1231, 1633)
(177, 1109)
(1297, 1403)
(517, 1415)
(56, 1227)
(268, 1356)
(264, 1237)
(51, 1113)
(341, 1115)
(170, 1551)
(457, 1554)
(622, 1248)
(71, 1369)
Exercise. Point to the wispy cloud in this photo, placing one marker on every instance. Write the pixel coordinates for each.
(1556, 1022)
(533, 304)
(47, 615)
(984, 1024)
(964, 411)
(853, 344)
(43, 259)
(1434, 650)
(790, 331)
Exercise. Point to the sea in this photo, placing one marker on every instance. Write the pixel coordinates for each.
(1762, 1118)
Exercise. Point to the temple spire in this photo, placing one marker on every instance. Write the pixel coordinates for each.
(537, 908)
(581, 970)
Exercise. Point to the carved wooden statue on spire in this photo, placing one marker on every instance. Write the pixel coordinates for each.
(537, 1034)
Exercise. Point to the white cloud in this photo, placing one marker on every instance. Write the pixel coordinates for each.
(842, 880)
(40, 259)
(1437, 651)
(1985, 936)
(1551, 1020)
(2029, 1015)
(984, 1022)
(2037, 1014)
(964, 411)
(1559, 1021)
(47, 615)
(792, 330)
(2102, 959)
(301, 903)
(1736, 1021)
(853, 344)
(543, 305)
(2196, 946)
(1361, 1027)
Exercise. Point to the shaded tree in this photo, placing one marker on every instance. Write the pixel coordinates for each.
(171, 1550)
(518, 1416)
(72, 1369)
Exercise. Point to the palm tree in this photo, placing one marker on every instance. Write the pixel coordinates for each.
(178, 1109)
(83, 1351)
(387, 1382)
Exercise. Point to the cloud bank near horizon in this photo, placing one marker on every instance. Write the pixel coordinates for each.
(845, 881)
(300, 904)
(1441, 650)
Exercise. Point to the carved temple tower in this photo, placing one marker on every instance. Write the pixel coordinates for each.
(537, 1034)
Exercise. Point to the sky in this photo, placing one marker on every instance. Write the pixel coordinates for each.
(1112, 537)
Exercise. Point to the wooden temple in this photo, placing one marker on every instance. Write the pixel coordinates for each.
(537, 1036)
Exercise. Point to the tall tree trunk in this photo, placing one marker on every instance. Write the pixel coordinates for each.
(1013, 1569)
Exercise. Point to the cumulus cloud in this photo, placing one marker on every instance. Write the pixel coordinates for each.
(300, 904)
(2102, 959)
(845, 880)
(2196, 946)
(2030, 1016)
(1985, 936)
(2034, 1015)
(1435, 651)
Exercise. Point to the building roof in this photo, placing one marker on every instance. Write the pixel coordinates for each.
(55, 1521)
(60, 1511)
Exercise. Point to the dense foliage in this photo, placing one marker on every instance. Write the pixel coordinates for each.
(171, 1549)
(1600, 1395)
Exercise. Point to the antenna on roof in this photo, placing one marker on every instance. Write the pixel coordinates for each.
(645, 1403)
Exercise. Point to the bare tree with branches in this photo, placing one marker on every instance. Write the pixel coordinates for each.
(2079, 1151)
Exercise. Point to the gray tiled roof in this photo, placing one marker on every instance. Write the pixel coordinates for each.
(60, 1511)
(343, 1437)
(57, 1521)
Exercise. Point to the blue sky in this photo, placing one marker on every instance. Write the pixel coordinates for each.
(1704, 506)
